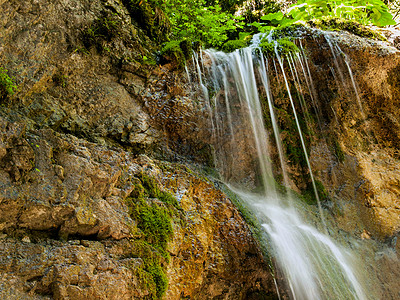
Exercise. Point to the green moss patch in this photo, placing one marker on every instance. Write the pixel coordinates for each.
(151, 274)
(232, 45)
(283, 46)
(7, 86)
(150, 17)
(153, 210)
(177, 52)
(308, 195)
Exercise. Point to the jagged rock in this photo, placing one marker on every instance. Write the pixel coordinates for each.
(49, 216)
(97, 85)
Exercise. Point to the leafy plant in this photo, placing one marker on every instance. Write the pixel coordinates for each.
(365, 12)
(7, 86)
(196, 21)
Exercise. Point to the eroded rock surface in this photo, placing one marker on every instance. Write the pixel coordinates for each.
(67, 232)
(91, 102)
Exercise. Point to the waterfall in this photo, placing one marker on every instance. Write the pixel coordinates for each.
(240, 98)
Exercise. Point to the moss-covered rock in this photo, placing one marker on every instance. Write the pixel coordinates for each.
(7, 86)
(176, 52)
(232, 45)
(150, 16)
(354, 27)
(282, 46)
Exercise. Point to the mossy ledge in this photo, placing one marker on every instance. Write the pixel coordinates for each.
(336, 24)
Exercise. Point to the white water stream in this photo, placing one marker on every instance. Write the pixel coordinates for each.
(314, 266)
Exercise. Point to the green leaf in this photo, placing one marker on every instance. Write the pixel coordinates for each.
(275, 16)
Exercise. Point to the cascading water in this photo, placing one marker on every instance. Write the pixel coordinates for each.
(313, 265)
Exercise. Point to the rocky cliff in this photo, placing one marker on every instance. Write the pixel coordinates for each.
(102, 149)
(86, 214)
(350, 122)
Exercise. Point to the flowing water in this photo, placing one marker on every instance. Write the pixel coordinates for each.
(313, 264)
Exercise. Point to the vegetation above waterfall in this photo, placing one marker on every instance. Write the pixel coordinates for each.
(216, 23)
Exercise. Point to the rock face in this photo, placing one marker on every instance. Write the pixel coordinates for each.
(96, 196)
(350, 88)
(87, 68)
(67, 232)
(362, 112)
(77, 216)
(345, 90)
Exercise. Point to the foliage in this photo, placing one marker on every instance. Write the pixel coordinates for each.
(232, 45)
(366, 12)
(394, 8)
(253, 10)
(7, 86)
(195, 20)
(363, 11)
(226, 5)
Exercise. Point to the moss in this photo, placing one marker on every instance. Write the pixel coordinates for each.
(152, 190)
(7, 86)
(155, 222)
(257, 230)
(186, 47)
(283, 46)
(293, 30)
(160, 279)
(150, 17)
(329, 23)
(286, 46)
(308, 196)
(151, 274)
(337, 150)
(232, 45)
(104, 29)
(172, 52)
(154, 219)
(290, 137)
(268, 47)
